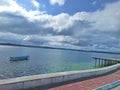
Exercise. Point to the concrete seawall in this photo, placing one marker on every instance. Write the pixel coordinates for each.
(53, 78)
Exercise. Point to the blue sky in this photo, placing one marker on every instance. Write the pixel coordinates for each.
(75, 6)
(71, 7)
(81, 24)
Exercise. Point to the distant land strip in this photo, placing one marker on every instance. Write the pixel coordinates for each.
(47, 47)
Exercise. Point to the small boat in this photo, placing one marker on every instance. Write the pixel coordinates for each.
(19, 58)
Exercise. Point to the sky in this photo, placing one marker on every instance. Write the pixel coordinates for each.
(81, 24)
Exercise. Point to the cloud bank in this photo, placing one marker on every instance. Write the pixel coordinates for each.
(94, 30)
(59, 2)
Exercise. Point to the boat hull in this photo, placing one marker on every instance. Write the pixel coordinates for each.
(19, 58)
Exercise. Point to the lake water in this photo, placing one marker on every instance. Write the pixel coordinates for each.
(44, 61)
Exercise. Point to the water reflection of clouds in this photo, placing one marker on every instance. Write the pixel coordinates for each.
(2, 47)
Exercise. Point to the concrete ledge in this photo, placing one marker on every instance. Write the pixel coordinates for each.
(53, 78)
(108, 86)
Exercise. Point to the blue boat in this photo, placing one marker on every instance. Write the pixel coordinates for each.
(17, 58)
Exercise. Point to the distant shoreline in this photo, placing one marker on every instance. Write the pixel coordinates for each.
(47, 47)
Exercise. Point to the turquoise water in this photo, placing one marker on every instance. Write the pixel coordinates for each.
(44, 61)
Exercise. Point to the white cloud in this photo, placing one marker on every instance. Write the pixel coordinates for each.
(26, 38)
(83, 28)
(59, 22)
(50, 40)
(36, 4)
(107, 19)
(12, 7)
(80, 16)
(94, 2)
(59, 2)
(11, 38)
(5, 2)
